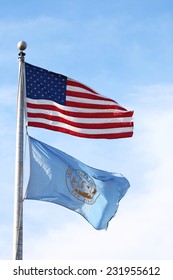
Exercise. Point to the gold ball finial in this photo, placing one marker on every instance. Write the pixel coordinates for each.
(22, 45)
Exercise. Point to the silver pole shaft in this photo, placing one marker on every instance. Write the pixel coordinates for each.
(18, 203)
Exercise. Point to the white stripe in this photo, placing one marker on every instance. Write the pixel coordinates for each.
(95, 94)
(80, 120)
(79, 89)
(70, 109)
(89, 101)
(82, 130)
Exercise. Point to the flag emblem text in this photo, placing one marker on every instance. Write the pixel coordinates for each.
(81, 185)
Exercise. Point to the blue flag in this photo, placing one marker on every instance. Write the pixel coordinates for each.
(59, 178)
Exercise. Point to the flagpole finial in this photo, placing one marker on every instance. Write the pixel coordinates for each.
(22, 45)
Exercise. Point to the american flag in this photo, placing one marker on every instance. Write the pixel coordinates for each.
(59, 103)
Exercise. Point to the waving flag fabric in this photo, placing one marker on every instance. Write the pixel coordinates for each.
(59, 178)
(59, 103)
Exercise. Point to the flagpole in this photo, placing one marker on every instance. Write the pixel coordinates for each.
(18, 197)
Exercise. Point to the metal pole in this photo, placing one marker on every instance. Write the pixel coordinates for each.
(18, 203)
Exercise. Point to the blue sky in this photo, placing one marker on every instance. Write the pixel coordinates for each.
(122, 49)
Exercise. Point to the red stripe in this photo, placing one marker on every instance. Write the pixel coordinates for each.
(80, 125)
(95, 136)
(89, 96)
(92, 106)
(81, 114)
(77, 84)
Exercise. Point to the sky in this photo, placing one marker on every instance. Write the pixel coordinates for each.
(123, 50)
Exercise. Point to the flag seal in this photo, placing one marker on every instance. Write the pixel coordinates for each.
(81, 185)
